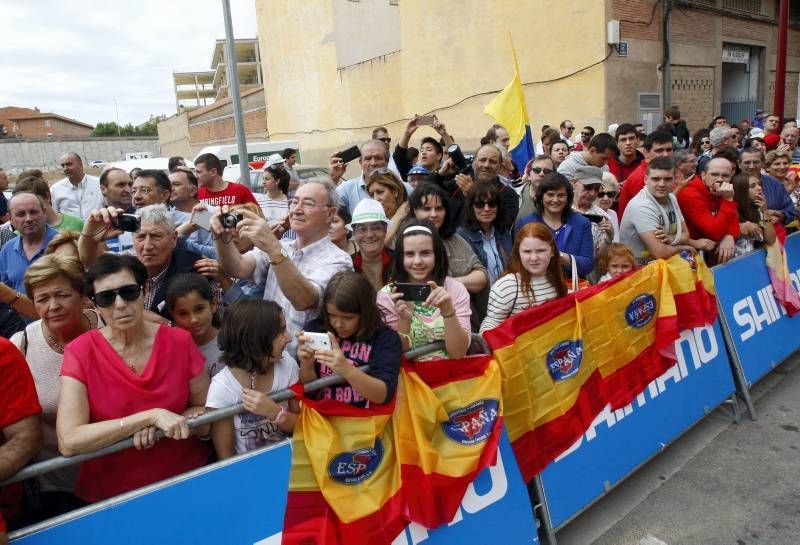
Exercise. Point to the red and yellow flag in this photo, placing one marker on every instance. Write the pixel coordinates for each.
(344, 485)
(447, 426)
(692, 284)
(564, 361)
(778, 269)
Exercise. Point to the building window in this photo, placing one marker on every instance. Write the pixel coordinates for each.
(47, 123)
(748, 6)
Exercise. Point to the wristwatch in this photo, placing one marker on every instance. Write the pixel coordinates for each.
(279, 258)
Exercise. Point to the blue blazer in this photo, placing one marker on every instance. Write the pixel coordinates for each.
(504, 240)
(577, 240)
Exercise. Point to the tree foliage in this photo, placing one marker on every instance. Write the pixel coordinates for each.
(112, 129)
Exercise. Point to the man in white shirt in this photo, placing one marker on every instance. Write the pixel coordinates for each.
(653, 225)
(296, 271)
(77, 194)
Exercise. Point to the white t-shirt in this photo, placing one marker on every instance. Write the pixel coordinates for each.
(643, 215)
(251, 431)
(211, 353)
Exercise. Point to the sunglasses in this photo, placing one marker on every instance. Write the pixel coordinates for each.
(609, 194)
(106, 298)
(540, 170)
(569, 128)
(385, 140)
(480, 205)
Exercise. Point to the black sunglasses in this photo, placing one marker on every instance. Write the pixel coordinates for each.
(106, 298)
(609, 194)
(540, 170)
(480, 205)
(385, 140)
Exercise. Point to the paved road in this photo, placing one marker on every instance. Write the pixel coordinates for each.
(720, 484)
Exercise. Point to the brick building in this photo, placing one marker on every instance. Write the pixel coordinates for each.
(31, 123)
(722, 60)
(187, 133)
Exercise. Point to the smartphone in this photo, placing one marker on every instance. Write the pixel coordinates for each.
(126, 222)
(318, 341)
(594, 218)
(350, 154)
(413, 292)
(202, 218)
(426, 120)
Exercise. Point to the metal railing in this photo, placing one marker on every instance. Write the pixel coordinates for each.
(60, 462)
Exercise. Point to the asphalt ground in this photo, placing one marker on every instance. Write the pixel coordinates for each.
(721, 483)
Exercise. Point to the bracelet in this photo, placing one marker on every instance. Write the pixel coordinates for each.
(405, 336)
(103, 230)
(121, 425)
(280, 418)
(449, 315)
(17, 295)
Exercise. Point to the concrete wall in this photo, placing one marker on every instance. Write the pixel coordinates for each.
(452, 51)
(365, 30)
(16, 156)
(173, 136)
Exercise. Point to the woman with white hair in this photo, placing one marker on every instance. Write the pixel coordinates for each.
(607, 199)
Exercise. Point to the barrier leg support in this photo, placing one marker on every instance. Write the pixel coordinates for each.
(742, 386)
(541, 510)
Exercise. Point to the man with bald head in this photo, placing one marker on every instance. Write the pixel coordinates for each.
(77, 194)
(29, 219)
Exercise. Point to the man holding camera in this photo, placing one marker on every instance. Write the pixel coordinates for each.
(295, 272)
(154, 244)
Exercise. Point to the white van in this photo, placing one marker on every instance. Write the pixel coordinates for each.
(256, 151)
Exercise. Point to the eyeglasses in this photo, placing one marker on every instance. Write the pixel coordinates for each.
(142, 190)
(540, 170)
(480, 205)
(106, 298)
(609, 194)
(386, 140)
(362, 228)
(305, 204)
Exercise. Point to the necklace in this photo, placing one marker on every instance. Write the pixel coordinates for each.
(58, 347)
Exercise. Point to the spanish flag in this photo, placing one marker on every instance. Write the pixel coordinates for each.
(344, 485)
(778, 269)
(564, 361)
(509, 110)
(447, 426)
(692, 284)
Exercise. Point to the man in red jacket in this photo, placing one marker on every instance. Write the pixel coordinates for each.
(656, 144)
(628, 158)
(709, 209)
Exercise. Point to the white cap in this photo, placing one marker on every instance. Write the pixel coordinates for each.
(368, 211)
(274, 159)
(612, 129)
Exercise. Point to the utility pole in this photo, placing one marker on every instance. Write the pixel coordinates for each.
(233, 89)
(780, 63)
(116, 109)
(666, 92)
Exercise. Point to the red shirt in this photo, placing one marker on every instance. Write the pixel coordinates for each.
(706, 215)
(631, 187)
(622, 171)
(233, 193)
(115, 392)
(18, 401)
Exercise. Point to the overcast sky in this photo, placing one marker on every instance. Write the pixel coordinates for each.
(74, 57)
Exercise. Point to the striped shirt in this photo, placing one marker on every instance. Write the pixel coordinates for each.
(506, 298)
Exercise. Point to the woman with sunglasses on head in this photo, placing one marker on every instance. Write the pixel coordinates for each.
(387, 188)
(486, 228)
(129, 378)
(55, 285)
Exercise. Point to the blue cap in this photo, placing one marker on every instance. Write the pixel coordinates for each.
(418, 169)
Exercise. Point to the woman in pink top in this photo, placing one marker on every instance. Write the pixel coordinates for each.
(129, 378)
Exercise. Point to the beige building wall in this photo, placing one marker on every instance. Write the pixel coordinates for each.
(453, 55)
(173, 135)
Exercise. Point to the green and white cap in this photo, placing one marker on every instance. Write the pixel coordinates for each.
(368, 211)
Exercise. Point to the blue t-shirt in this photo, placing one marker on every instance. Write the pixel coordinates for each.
(14, 263)
(382, 352)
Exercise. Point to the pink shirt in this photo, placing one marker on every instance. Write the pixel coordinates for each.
(427, 324)
(115, 392)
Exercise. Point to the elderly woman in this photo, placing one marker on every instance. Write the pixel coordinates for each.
(369, 225)
(607, 198)
(65, 243)
(55, 285)
(777, 166)
(130, 378)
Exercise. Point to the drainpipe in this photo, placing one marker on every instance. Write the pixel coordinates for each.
(780, 63)
(666, 93)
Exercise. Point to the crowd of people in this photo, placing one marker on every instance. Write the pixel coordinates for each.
(138, 301)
